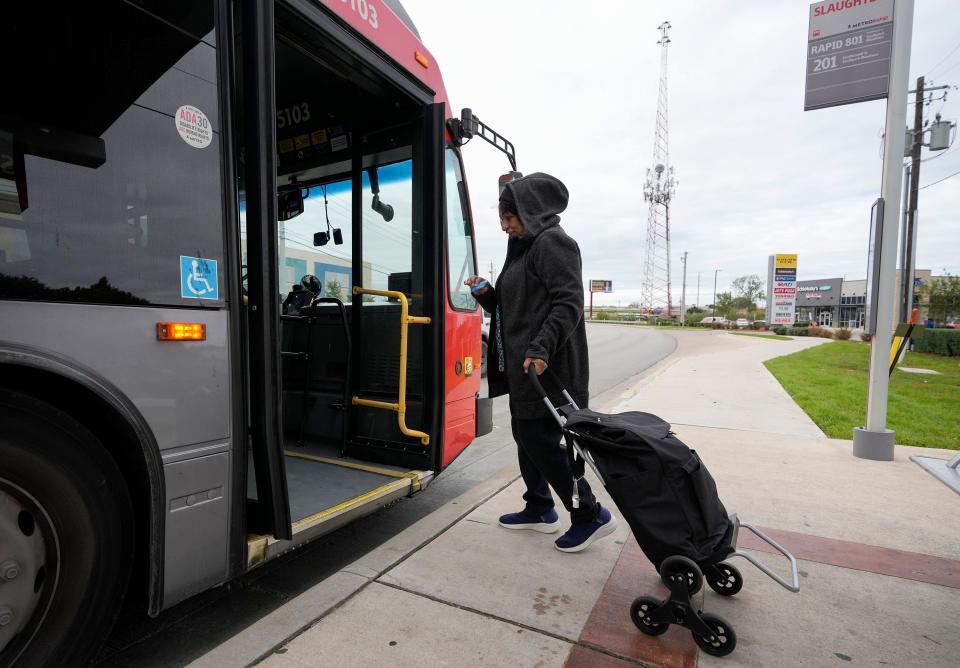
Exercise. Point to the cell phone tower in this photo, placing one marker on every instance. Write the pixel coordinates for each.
(658, 190)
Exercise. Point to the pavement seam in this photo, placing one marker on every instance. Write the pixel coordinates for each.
(752, 431)
(303, 629)
(512, 622)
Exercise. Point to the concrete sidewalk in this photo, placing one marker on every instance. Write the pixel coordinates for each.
(878, 545)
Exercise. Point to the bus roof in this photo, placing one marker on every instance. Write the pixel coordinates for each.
(386, 24)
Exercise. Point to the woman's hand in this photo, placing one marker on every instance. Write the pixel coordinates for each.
(474, 282)
(538, 363)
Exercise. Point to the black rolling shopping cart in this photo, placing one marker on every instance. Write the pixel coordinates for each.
(669, 499)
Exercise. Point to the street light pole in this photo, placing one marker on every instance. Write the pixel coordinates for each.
(683, 294)
(715, 290)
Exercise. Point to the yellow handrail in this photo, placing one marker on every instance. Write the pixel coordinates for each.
(400, 407)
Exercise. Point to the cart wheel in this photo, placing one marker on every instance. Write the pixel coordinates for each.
(640, 614)
(725, 579)
(724, 639)
(677, 565)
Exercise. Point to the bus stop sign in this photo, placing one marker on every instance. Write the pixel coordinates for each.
(849, 44)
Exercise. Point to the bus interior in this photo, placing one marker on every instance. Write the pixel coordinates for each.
(349, 143)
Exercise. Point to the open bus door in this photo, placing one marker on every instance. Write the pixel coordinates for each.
(345, 314)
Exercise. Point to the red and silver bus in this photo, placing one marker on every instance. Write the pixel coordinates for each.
(233, 239)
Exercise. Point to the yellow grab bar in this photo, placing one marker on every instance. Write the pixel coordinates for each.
(400, 407)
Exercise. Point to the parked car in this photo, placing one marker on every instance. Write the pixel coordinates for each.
(761, 324)
(742, 323)
(952, 324)
(714, 320)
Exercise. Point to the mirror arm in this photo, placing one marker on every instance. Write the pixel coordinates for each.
(466, 127)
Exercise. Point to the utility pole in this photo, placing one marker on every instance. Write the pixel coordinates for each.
(698, 290)
(715, 271)
(906, 266)
(683, 293)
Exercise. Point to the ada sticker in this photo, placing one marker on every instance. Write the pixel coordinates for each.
(193, 126)
(198, 278)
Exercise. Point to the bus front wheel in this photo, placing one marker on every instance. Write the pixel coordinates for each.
(66, 536)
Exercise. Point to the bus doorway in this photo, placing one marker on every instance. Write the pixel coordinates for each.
(360, 399)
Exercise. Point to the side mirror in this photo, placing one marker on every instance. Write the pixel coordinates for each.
(507, 178)
(289, 204)
(385, 210)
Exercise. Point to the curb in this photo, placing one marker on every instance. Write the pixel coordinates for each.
(259, 640)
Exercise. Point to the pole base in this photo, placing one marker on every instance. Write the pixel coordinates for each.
(876, 445)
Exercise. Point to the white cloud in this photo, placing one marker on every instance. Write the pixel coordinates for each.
(574, 86)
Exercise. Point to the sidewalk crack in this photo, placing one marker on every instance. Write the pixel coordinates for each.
(520, 625)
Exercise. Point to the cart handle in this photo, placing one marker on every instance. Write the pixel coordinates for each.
(794, 584)
(532, 374)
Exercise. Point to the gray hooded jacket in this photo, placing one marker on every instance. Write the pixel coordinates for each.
(537, 304)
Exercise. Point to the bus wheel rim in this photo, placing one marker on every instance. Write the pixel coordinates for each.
(29, 558)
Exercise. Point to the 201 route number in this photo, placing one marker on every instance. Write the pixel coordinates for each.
(366, 10)
(828, 63)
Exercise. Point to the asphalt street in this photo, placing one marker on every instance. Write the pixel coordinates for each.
(618, 354)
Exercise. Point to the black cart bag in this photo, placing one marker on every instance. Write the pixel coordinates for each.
(661, 487)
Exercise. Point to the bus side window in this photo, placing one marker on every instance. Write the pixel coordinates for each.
(133, 196)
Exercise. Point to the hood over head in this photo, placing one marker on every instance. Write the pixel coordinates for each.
(539, 199)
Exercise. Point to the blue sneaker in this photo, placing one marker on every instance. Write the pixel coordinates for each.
(549, 522)
(581, 536)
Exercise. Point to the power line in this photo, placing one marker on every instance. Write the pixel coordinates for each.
(942, 60)
(951, 69)
(948, 176)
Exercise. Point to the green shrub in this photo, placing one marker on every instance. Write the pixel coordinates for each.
(602, 315)
(944, 342)
(798, 331)
(843, 334)
(780, 329)
(802, 323)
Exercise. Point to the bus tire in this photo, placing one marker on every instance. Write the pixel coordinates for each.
(65, 495)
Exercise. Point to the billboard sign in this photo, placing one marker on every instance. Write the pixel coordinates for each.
(849, 48)
(601, 286)
(782, 289)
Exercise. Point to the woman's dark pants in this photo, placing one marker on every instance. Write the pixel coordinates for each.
(543, 462)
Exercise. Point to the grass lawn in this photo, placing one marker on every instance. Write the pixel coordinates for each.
(829, 382)
(773, 337)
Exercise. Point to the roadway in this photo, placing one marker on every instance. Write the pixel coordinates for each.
(618, 354)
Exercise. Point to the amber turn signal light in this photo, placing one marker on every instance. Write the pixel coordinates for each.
(422, 59)
(181, 331)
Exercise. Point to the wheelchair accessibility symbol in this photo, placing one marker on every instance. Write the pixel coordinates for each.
(198, 278)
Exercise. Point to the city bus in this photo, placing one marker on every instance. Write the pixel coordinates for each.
(233, 241)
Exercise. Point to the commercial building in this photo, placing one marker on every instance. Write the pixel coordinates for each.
(835, 302)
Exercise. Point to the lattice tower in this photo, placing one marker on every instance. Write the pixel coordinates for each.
(658, 190)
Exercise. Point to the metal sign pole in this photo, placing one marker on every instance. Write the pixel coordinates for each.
(875, 441)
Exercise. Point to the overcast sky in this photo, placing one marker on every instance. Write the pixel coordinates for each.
(574, 86)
